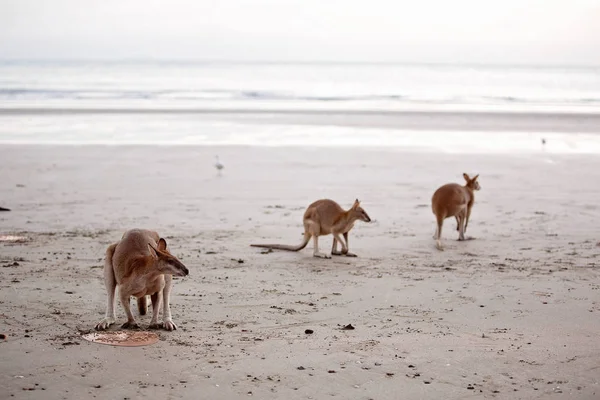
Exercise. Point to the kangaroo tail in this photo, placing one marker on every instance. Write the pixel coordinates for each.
(142, 303)
(109, 272)
(4, 209)
(284, 246)
(110, 251)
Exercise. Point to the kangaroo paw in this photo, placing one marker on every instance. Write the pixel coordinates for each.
(336, 253)
(438, 246)
(347, 253)
(156, 325)
(169, 325)
(321, 255)
(130, 325)
(104, 324)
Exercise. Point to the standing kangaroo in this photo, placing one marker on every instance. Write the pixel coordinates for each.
(322, 218)
(454, 200)
(140, 265)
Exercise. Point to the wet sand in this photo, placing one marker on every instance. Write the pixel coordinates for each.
(441, 119)
(513, 314)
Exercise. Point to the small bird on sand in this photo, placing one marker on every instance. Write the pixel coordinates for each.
(218, 165)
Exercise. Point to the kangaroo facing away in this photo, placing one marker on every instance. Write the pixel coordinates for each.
(454, 200)
(140, 265)
(322, 218)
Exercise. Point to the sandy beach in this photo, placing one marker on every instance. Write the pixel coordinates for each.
(513, 314)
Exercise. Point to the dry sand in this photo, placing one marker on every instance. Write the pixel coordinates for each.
(513, 314)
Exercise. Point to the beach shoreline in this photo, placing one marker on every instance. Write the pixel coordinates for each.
(439, 120)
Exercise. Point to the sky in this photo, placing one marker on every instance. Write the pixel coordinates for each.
(542, 32)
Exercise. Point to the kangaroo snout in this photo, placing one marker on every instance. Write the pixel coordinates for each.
(183, 271)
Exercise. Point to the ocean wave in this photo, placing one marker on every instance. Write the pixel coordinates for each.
(25, 94)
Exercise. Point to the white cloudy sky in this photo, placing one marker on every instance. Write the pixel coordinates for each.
(509, 31)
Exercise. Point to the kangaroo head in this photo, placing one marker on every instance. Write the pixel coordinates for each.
(165, 262)
(357, 212)
(472, 182)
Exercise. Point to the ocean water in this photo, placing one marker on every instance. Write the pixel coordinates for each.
(171, 103)
(231, 85)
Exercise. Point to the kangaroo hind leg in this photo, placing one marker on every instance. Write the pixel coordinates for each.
(334, 250)
(346, 247)
(316, 252)
(314, 229)
(461, 224)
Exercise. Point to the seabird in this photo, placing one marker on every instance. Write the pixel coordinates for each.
(218, 165)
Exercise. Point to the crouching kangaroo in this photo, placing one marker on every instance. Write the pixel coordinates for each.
(140, 265)
(322, 218)
(454, 200)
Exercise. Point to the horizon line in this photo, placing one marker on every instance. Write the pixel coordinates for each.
(148, 60)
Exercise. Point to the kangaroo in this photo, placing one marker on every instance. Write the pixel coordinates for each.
(454, 200)
(322, 218)
(140, 265)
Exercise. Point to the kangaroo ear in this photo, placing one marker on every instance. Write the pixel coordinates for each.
(356, 204)
(466, 177)
(153, 252)
(475, 177)
(162, 244)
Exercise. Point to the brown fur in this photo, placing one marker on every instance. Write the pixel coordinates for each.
(140, 265)
(454, 200)
(324, 217)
